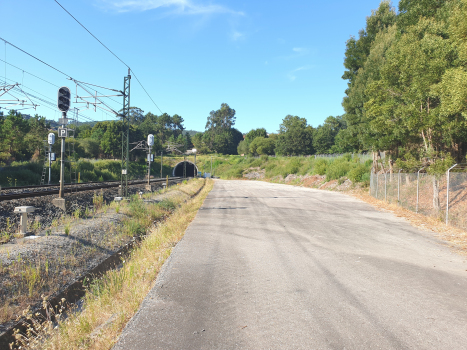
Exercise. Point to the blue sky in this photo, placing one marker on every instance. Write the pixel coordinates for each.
(266, 59)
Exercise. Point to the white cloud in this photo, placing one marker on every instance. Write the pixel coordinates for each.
(188, 7)
(300, 50)
(236, 35)
(292, 74)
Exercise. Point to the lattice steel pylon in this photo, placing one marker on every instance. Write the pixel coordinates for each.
(125, 134)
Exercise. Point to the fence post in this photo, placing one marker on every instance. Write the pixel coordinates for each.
(399, 188)
(447, 194)
(385, 185)
(377, 183)
(418, 183)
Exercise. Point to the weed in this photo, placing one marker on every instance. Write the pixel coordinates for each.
(77, 213)
(117, 209)
(98, 201)
(167, 204)
(67, 230)
(129, 285)
(32, 275)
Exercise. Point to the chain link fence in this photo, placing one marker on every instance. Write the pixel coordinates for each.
(426, 194)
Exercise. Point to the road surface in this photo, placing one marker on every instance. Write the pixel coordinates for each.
(269, 266)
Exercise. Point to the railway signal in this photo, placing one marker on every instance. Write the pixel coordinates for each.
(63, 103)
(64, 96)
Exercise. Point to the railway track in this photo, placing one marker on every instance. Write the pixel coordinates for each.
(47, 190)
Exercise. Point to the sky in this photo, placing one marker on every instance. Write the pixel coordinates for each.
(265, 59)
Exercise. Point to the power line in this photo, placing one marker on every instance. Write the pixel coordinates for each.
(27, 53)
(35, 76)
(46, 80)
(145, 90)
(48, 103)
(111, 53)
(91, 33)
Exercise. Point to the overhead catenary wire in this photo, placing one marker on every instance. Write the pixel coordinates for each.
(35, 76)
(48, 104)
(111, 53)
(27, 53)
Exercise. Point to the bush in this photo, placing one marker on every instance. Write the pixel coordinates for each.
(337, 169)
(356, 174)
(320, 166)
(234, 173)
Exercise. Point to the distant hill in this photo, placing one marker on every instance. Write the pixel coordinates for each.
(190, 132)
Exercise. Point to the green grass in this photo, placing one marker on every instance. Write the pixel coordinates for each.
(232, 167)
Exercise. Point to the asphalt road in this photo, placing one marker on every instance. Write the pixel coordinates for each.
(268, 266)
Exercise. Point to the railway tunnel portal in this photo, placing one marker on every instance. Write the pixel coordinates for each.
(191, 169)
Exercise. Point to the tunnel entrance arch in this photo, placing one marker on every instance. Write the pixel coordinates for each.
(191, 169)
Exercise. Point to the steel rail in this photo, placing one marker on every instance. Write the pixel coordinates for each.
(6, 197)
(52, 185)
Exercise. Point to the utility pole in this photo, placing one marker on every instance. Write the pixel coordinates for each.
(125, 135)
(161, 164)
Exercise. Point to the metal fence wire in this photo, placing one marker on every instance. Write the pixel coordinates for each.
(425, 194)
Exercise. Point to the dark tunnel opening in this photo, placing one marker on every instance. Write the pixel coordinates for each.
(191, 169)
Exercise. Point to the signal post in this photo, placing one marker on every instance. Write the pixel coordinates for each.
(150, 159)
(64, 95)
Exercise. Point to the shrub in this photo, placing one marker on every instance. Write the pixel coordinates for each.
(320, 166)
(356, 174)
(337, 169)
(234, 173)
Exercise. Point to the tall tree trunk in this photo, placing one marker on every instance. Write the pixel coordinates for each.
(424, 141)
(375, 161)
(436, 205)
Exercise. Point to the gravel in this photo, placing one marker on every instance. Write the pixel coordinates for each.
(64, 256)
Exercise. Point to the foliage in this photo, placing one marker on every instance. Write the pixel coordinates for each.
(295, 137)
(220, 136)
(407, 82)
(261, 145)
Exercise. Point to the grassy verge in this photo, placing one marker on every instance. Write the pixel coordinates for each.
(111, 301)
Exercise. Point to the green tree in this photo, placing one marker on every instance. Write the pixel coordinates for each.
(220, 136)
(222, 119)
(356, 57)
(324, 135)
(295, 137)
(262, 145)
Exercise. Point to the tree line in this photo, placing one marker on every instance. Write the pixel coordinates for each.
(407, 83)
(407, 96)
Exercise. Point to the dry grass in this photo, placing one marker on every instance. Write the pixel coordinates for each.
(111, 301)
(456, 237)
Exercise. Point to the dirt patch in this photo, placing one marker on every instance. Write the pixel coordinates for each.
(314, 181)
(255, 173)
(329, 185)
